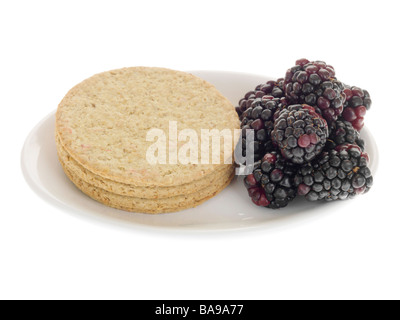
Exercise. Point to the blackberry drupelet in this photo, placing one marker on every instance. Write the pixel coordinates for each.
(342, 132)
(358, 101)
(271, 183)
(337, 174)
(314, 83)
(300, 133)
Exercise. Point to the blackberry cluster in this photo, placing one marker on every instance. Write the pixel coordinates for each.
(314, 83)
(306, 137)
(358, 101)
(338, 174)
(300, 133)
(271, 184)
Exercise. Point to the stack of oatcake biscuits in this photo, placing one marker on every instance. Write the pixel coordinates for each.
(105, 136)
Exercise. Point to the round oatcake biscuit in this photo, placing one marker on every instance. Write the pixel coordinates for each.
(134, 191)
(103, 123)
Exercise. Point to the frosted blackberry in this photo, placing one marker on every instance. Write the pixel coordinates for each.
(335, 175)
(256, 191)
(300, 133)
(342, 132)
(271, 183)
(314, 83)
(259, 118)
(270, 88)
(358, 101)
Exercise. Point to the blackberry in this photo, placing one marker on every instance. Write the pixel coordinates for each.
(271, 183)
(270, 88)
(300, 133)
(337, 174)
(314, 83)
(358, 101)
(259, 117)
(342, 132)
(256, 191)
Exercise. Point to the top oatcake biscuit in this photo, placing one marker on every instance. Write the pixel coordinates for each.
(103, 123)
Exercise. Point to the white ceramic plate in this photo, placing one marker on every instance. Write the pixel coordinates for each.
(231, 209)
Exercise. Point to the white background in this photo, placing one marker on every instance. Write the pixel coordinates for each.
(48, 46)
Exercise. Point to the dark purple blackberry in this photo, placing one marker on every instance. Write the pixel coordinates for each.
(358, 101)
(271, 183)
(259, 118)
(337, 174)
(256, 191)
(300, 133)
(342, 132)
(314, 83)
(270, 88)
